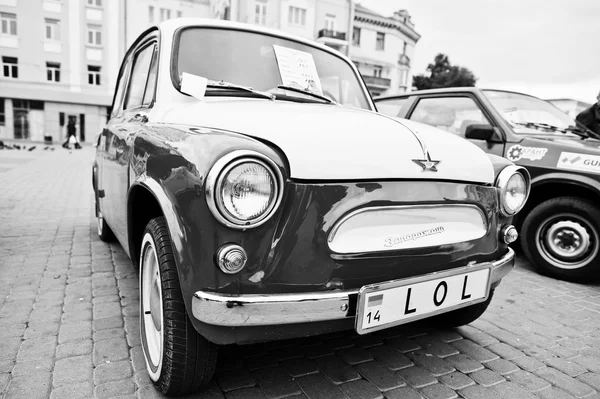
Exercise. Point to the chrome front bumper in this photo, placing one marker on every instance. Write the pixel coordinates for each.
(277, 309)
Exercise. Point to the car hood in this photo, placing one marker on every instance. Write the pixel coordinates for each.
(329, 142)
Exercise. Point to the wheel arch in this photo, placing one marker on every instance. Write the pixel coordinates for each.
(553, 185)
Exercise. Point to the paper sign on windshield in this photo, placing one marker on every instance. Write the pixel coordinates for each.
(297, 68)
(193, 85)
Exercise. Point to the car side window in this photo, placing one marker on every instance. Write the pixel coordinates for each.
(139, 77)
(452, 114)
(120, 90)
(151, 83)
(391, 107)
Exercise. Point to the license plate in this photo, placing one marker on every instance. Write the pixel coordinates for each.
(398, 302)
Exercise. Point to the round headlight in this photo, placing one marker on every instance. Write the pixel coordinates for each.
(513, 184)
(242, 192)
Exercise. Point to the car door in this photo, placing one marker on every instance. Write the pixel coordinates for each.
(131, 120)
(454, 113)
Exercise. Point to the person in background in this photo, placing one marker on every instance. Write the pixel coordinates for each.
(71, 131)
(590, 117)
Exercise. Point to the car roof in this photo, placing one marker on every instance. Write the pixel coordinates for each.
(447, 90)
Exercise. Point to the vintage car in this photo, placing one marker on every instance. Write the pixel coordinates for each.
(246, 173)
(560, 226)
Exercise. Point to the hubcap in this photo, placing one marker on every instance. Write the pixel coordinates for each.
(567, 241)
(151, 308)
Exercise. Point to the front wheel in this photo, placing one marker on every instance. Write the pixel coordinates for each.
(178, 359)
(561, 237)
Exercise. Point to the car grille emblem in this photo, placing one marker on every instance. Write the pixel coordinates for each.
(427, 164)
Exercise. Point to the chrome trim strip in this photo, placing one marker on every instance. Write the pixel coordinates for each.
(214, 177)
(277, 309)
(502, 181)
(352, 214)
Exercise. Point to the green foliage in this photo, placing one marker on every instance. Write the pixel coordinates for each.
(444, 74)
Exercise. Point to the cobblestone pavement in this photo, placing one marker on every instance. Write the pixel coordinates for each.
(69, 321)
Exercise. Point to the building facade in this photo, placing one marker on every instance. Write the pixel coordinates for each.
(58, 65)
(382, 47)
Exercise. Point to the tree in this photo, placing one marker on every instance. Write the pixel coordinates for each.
(444, 74)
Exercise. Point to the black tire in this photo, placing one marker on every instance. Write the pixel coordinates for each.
(104, 231)
(570, 220)
(184, 361)
(460, 317)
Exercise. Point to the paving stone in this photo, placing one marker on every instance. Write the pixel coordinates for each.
(75, 391)
(107, 323)
(382, 377)
(32, 366)
(431, 363)
(403, 393)
(391, 358)
(72, 370)
(479, 392)
(571, 368)
(337, 370)
(510, 390)
(276, 383)
(416, 377)
(474, 351)
(505, 351)
(477, 336)
(9, 347)
(33, 386)
(403, 345)
(112, 371)
(464, 363)
(562, 380)
(591, 379)
(554, 393)
(316, 351)
(74, 348)
(528, 363)
(102, 335)
(110, 350)
(114, 388)
(486, 377)
(299, 367)
(354, 355)
(361, 389)
(502, 366)
(438, 391)
(41, 329)
(75, 332)
(37, 348)
(317, 386)
(232, 381)
(456, 380)
(529, 381)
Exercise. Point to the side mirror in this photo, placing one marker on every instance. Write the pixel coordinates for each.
(480, 132)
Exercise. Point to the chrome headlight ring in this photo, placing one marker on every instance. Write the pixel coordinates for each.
(502, 184)
(214, 180)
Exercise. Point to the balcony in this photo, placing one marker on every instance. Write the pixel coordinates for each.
(375, 81)
(332, 38)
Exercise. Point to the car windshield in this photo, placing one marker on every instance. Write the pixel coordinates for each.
(248, 59)
(530, 115)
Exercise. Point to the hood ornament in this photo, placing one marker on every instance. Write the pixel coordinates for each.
(427, 164)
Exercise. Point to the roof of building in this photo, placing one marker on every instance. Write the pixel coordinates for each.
(364, 14)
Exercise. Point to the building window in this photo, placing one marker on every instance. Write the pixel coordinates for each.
(356, 36)
(53, 71)
(10, 67)
(94, 3)
(52, 29)
(297, 16)
(94, 35)
(8, 24)
(403, 77)
(377, 70)
(260, 13)
(330, 22)
(179, 14)
(94, 75)
(150, 14)
(165, 14)
(379, 44)
(2, 115)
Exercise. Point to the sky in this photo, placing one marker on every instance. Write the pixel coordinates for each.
(546, 48)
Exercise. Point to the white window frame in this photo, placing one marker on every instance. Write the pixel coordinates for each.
(8, 24)
(96, 31)
(260, 12)
(12, 67)
(356, 34)
(151, 15)
(165, 14)
(94, 3)
(54, 70)
(96, 76)
(297, 16)
(54, 25)
(330, 23)
(377, 71)
(179, 14)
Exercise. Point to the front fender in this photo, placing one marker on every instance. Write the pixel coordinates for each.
(558, 177)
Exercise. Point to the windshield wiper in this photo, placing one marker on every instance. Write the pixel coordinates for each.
(232, 86)
(307, 91)
(553, 128)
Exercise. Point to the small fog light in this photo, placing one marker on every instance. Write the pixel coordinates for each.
(510, 234)
(231, 258)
